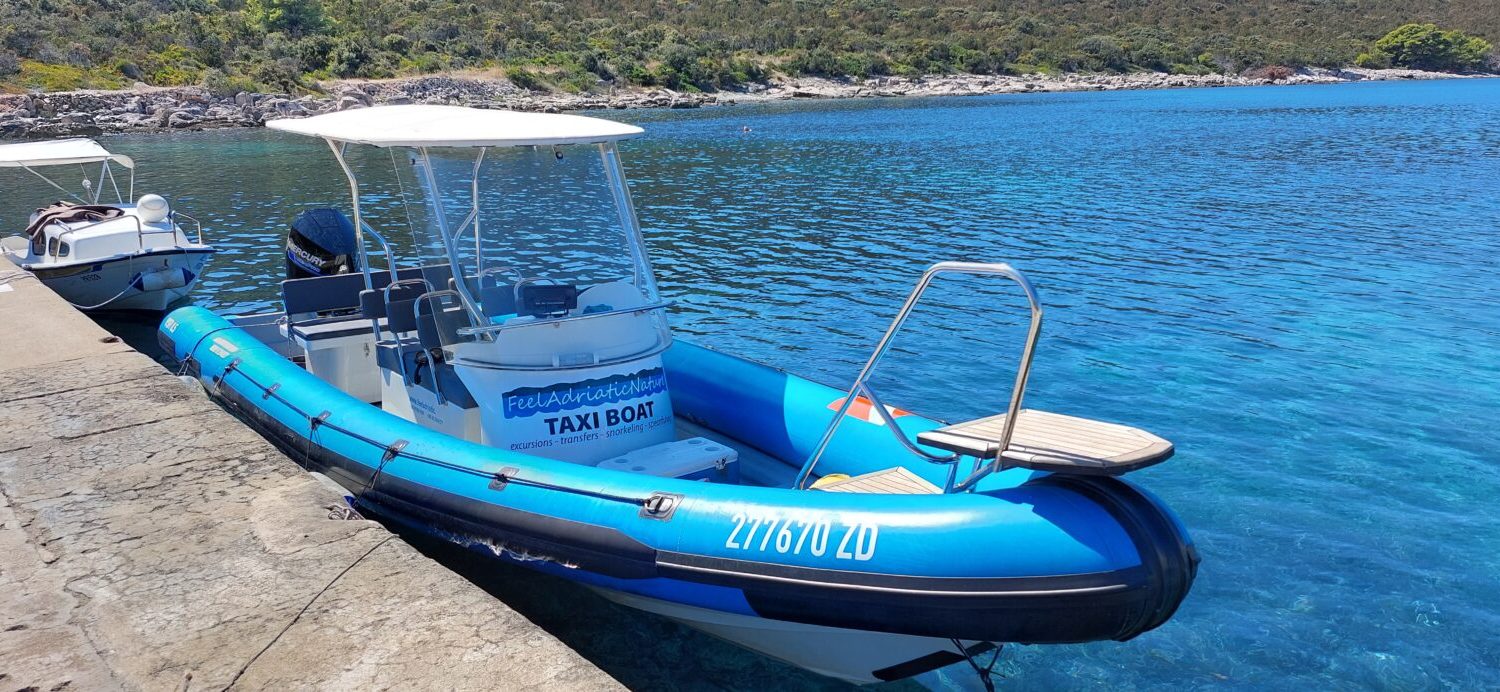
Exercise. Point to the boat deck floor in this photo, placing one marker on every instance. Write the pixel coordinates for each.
(896, 480)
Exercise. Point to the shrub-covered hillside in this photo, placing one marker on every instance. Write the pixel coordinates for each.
(686, 44)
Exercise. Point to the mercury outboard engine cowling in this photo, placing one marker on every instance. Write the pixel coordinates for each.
(321, 243)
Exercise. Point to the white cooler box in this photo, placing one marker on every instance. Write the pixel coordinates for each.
(694, 459)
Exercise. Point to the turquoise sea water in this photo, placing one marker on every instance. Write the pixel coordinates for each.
(1297, 285)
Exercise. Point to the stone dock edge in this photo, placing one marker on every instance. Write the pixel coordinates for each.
(151, 541)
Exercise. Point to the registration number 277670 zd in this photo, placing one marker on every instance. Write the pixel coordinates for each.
(846, 540)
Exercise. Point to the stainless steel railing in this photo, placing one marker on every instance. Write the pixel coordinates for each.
(390, 255)
(197, 227)
(861, 385)
(496, 328)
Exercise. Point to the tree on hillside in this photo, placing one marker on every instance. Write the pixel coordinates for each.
(1426, 47)
(291, 17)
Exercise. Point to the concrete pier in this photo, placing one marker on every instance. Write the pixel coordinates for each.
(148, 540)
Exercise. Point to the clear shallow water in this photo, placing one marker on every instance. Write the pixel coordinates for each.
(1296, 285)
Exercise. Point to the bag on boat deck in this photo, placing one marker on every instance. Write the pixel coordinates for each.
(65, 211)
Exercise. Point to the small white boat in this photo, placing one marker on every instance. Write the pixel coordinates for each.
(122, 256)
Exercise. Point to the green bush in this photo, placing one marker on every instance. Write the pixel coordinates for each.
(1103, 53)
(595, 63)
(282, 76)
(526, 79)
(220, 84)
(1189, 69)
(1426, 47)
(217, 83)
(817, 61)
(1375, 60)
(174, 65)
(351, 57)
(312, 52)
(637, 73)
(34, 74)
(292, 17)
(745, 70)
(396, 43)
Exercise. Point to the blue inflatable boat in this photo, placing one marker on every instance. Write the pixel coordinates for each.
(515, 388)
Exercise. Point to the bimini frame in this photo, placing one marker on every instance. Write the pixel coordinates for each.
(643, 275)
(29, 156)
(422, 128)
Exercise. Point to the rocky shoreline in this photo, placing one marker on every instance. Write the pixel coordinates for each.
(154, 109)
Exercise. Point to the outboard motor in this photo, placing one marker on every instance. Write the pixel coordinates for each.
(322, 242)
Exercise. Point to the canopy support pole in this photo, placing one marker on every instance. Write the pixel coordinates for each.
(359, 233)
(48, 181)
(109, 172)
(359, 229)
(474, 211)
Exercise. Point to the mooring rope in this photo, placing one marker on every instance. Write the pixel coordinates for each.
(96, 306)
(188, 358)
(983, 673)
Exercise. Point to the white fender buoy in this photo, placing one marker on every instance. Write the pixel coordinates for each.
(152, 208)
(162, 279)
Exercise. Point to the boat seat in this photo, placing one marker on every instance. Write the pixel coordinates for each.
(438, 329)
(399, 312)
(1045, 441)
(321, 294)
(497, 298)
(328, 328)
(405, 352)
(342, 292)
(896, 480)
(693, 459)
(434, 375)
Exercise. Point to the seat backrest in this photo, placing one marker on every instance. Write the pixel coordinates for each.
(322, 293)
(371, 304)
(344, 291)
(395, 306)
(498, 298)
(436, 274)
(439, 328)
(400, 307)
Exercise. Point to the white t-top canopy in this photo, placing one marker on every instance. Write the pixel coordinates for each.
(455, 126)
(56, 153)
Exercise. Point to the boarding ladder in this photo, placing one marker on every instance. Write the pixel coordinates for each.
(1025, 438)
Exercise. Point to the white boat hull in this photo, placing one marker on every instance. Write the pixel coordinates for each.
(117, 283)
(856, 656)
